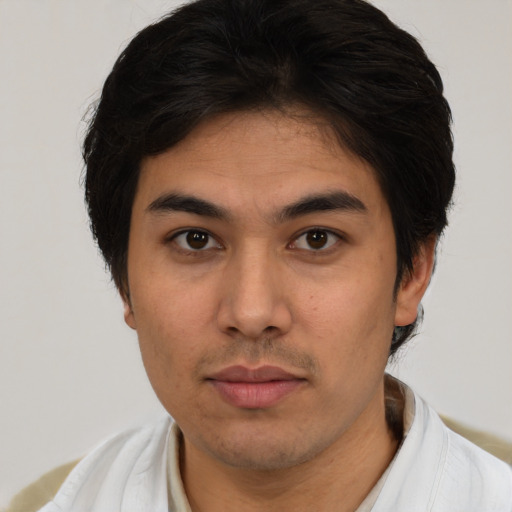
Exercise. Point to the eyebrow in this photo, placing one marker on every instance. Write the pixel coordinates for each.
(175, 202)
(339, 200)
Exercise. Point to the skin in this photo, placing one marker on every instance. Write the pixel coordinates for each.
(258, 290)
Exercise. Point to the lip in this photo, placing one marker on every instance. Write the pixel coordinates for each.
(257, 388)
(261, 374)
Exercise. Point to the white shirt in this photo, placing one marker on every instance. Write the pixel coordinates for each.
(434, 470)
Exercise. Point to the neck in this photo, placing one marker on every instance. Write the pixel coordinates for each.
(338, 479)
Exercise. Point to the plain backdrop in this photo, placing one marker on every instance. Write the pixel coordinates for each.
(70, 371)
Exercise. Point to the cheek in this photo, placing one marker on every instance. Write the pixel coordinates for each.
(351, 320)
(356, 305)
(168, 354)
(172, 307)
(171, 323)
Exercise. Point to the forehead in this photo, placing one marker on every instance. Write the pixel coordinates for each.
(260, 159)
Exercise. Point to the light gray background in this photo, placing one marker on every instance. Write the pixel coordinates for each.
(70, 372)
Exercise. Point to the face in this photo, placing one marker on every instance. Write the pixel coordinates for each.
(261, 271)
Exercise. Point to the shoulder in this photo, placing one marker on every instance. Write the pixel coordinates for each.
(476, 477)
(466, 477)
(40, 492)
(438, 470)
(137, 450)
(490, 443)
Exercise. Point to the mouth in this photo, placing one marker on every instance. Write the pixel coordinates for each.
(257, 388)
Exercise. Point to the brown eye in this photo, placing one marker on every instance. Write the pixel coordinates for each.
(195, 240)
(316, 240)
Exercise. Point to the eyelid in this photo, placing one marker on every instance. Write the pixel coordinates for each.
(184, 231)
(304, 232)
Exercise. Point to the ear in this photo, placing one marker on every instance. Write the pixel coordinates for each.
(414, 283)
(129, 316)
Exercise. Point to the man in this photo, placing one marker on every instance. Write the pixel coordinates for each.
(267, 182)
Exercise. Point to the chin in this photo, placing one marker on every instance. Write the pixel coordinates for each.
(264, 453)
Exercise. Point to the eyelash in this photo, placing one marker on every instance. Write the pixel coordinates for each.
(195, 251)
(328, 234)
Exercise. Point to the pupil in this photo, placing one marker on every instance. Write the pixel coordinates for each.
(316, 239)
(197, 239)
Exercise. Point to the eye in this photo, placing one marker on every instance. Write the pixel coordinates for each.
(195, 240)
(316, 240)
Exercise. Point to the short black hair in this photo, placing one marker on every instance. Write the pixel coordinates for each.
(342, 60)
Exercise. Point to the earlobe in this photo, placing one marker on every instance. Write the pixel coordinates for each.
(414, 283)
(128, 314)
(129, 317)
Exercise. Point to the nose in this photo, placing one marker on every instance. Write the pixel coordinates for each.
(253, 302)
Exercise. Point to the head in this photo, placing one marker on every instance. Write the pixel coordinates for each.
(342, 61)
(228, 81)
